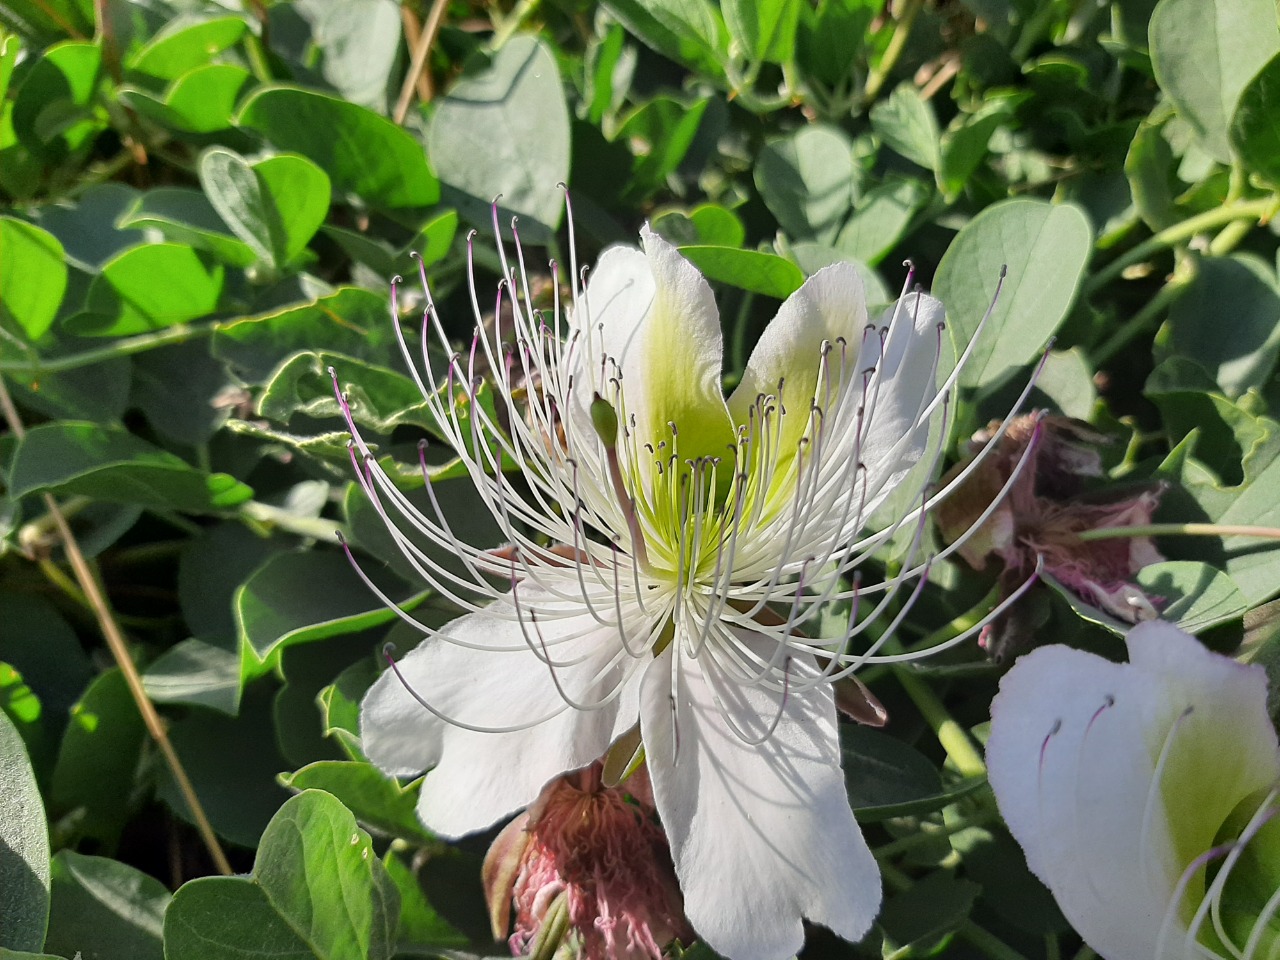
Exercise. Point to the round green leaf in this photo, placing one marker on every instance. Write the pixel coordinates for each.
(1255, 128)
(317, 891)
(201, 101)
(1204, 52)
(98, 759)
(882, 215)
(753, 270)
(275, 205)
(1240, 290)
(506, 131)
(148, 288)
(109, 463)
(278, 605)
(53, 108)
(1045, 247)
(363, 153)
(175, 52)
(358, 41)
(376, 799)
(105, 909)
(806, 180)
(186, 216)
(33, 277)
(24, 847)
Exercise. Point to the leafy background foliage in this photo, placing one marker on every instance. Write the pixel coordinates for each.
(205, 203)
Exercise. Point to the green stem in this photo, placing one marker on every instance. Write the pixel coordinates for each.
(1178, 233)
(506, 30)
(897, 43)
(1183, 529)
(953, 737)
(317, 528)
(929, 832)
(180, 333)
(1229, 238)
(1138, 323)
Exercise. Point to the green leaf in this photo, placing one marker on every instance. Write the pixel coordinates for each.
(198, 102)
(358, 42)
(378, 398)
(420, 925)
(1045, 248)
(753, 270)
(174, 52)
(1254, 566)
(53, 110)
(24, 847)
(764, 29)
(275, 205)
(431, 243)
(98, 760)
(33, 277)
(806, 179)
(1150, 169)
(186, 216)
(148, 288)
(349, 321)
(233, 763)
(109, 463)
(691, 32)
(1195, 597)
(278, 604)
(1255, 126)
(317, 890)
(505, 131)
(919, 921)
(907, 124)
(886, 777)
(104, 909)
(195, 672)
(882, 216)
(964, 147)
(363, 154)
(378, 801)
(1241, 290)
(1204, 52)
(660, 134)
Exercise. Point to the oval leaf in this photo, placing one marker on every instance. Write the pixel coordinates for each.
(753, 270)
(33, 277)
(363, 153)
(1045, 248)
(317, 890)
(505, 132)
(24, 847)
(1204, 52)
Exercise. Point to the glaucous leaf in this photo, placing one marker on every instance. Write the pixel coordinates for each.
(24, 847)
(806, 179)
(504, 132)
(1204, 52)
(1045, 248)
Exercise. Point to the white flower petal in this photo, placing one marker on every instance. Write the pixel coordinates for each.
(1116, 777)
(761, 835)
(654, 315)
(479, 776)
(830, 307)
(907, 382)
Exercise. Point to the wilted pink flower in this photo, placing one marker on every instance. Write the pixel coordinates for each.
(587, 863)
(1041, 517)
